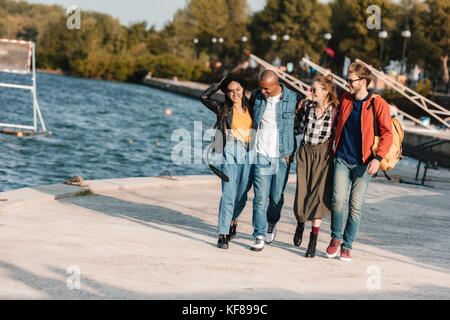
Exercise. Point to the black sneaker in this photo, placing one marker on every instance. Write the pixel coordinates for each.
(270, 233)
(232, 232)
(223, 241)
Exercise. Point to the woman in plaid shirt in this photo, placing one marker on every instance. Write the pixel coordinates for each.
(315, 159)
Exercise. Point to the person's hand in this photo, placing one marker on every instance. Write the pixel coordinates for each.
(300, 105)
(373, 167)
(224, 79)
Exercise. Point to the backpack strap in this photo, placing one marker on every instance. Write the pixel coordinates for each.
(376, 130)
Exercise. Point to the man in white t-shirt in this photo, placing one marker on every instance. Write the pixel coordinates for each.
(274, 113)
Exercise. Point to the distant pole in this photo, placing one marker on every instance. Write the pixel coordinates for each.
(382, 35)
(286, 39)
(405, 34)
(221, 41)
(327, 36)
(273, 39)
(211, 58)
(196, 48)
(244, 40)
(213, 42)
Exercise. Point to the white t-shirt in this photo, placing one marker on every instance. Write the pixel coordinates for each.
(267, 135)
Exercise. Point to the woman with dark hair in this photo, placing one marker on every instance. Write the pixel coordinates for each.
(315, 160)
(234, 132)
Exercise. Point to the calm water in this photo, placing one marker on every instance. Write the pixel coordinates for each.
(92, 123)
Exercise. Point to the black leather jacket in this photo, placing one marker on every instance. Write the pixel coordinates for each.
(218, 108)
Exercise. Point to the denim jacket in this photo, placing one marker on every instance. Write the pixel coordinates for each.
(285, 118)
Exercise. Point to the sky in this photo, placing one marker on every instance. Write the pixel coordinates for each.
(155, 12)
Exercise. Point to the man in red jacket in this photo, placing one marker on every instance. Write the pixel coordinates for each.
(354, 161)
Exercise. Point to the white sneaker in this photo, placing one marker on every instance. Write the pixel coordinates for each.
(271, 232)
(259, 244)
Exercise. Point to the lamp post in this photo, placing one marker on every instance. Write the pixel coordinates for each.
(196, 47)
(244, 40)
(286, 39)
(382, 35)
(221, 41)
(327, 36)
(405, 34)
(213, 42)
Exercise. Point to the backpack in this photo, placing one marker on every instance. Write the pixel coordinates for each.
(395, 152)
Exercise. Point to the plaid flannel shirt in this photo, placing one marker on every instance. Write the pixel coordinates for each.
(318, 131)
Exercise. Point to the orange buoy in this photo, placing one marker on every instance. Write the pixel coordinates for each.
(168, 112)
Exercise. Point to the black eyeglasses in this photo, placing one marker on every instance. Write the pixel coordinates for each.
(351, 81)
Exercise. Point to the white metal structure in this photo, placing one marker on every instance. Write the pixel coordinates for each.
(429, 106)
(294, 82)
(343, 84)
(338, 80)
(18, 56)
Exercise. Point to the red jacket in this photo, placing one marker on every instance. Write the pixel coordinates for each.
(383, 120)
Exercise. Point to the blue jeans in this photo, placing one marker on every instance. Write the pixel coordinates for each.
(356, 177)
(269, 181)
(237, 165)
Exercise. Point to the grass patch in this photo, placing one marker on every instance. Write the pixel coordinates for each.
(84, 193)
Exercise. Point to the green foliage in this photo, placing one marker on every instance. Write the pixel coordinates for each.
(423, 87)
(105, 49)
(351, 35)
(101, 49)
(206, 19)
(391, 95)
(304, 21)
(168, 65)
(436, 21)
(84, 193)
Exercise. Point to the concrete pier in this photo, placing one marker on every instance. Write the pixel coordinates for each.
(186, 88)
(151, 238)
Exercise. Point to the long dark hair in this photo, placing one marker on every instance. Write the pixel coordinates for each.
(228, 106)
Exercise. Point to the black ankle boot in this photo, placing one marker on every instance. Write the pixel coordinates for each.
(311, 252)
(223, 242)
(299, 234)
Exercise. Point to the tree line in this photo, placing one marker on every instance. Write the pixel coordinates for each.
(185, 47)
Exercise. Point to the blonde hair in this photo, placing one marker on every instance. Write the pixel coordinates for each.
(326, 82)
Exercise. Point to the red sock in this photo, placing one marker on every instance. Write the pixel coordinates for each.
(315, 230)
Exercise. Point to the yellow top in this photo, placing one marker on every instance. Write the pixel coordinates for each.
(242, 125)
